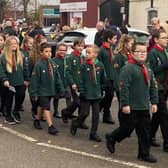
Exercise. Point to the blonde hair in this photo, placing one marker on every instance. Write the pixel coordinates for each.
(8, 53)
(93, 47)
(35, 53)
(124, 39)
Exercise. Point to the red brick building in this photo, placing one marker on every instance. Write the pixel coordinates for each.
(78, 13)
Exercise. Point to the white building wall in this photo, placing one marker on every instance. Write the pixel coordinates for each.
(138, 12)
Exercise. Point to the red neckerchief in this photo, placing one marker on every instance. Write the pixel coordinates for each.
(13, 61)
(143, 70)
(59, 56)
(129, 56)
(26, 49)
(77, 54)
(105, 46)
(48, 67)
(90, 62)
(157, 47)
(0, 50)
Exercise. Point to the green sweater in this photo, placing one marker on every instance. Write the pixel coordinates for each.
(61, 66)
(18, 75)
(118, 62)
(42, 84)
(133, 89)
(91, 88)
(156, 58)
(104, 57)
(73, 69)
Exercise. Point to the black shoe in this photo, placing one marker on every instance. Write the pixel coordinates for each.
(150, 158)
(64, 116)
(95, 137)
(52, 130)
(9, 120)
(83, 126)
(56, 115)
(110, 143)
(154, 143)
(37, 124)
(16, 116)
(72, 116)
(73, 128)
(107, 119)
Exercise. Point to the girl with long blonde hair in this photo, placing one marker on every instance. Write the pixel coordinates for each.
(15, 76)
(122, 54)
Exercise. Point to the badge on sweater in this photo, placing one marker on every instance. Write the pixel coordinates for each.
(43, 71)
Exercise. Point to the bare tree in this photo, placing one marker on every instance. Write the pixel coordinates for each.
(3, 5)
(25, 4)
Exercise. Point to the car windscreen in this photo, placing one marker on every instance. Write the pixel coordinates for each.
(139, 37)
(70, 37)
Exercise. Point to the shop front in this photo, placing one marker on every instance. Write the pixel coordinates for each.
(79, 14)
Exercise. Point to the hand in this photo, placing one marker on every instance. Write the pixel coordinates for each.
(126, 109)
(74, 86)
(26, 83)
(6, 83)
(154, 108)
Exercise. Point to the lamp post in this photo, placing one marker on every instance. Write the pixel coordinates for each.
(151, 3)
(14, 9)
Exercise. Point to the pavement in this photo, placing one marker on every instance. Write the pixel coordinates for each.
(22, 146)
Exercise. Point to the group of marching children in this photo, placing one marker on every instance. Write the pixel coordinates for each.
(89, 80)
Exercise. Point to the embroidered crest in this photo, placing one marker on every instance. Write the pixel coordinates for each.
(98, 68)
(120, 85)
(116, 65)
(43, 71)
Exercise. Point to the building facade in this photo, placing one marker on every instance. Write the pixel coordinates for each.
(79, 13)
(141, 12)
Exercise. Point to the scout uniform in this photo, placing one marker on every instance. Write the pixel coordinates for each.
(92, 84)
(45, 80)
(16, 79)
(73, 73)
(106, 57)
(119, 61)
(61, 66)
(157, 58)
(137, 87)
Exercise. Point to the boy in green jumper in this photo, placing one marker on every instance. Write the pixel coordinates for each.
(158, 58)
(92, 80)
(106, 57)
(60, 60)
(45, 81)
(137, 87)
(72, 73)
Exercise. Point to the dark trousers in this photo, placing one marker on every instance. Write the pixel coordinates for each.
(74, 104)
(66, 95)
(85, 110)
(9, 96)
(161, 118)
(106, 102)
(2, 101)
(141, 122)
(34, 104)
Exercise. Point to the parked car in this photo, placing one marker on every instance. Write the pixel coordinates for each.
(139, 35)
(88, 35)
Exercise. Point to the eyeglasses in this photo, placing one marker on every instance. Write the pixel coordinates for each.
(165, 38)
(140, 52)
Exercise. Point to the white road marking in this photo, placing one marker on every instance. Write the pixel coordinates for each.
(134, 165)
(30, 139)
(23, 136)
